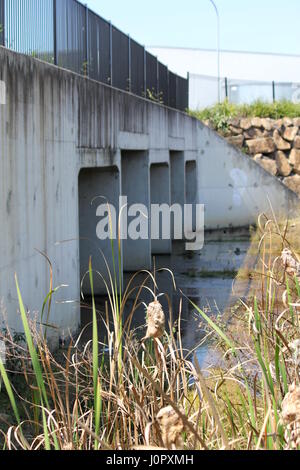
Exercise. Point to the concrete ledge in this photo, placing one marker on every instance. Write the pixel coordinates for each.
(176, 144)
(130, 141)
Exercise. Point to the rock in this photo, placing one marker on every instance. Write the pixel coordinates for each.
(256, 122)
(253, 133)
(238, 140)
(268, 165)
(295, 159)
(263, 145)
(283, 166)
(278, 123)
(245, 124)
(235, 122)
(235, 130)
(258, 157)
(266, 124)
(287, 122)
(280, 143)
(267, 133)
(293, 182)
(290, 133)
(297, 142)
(296, 122)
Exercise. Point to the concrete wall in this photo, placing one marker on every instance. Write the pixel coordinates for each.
(234, 188)
(58, 134)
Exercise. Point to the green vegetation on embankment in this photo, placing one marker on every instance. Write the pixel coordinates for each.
(220, 114)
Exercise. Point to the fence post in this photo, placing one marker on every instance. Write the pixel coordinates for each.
(226, 88)
(145, 72)
(273, 91)
(168, 82)
(55, 58)
(87, 39)
(2, 23)
(129, 64)
(188, 90)
(111, 52)
(157, 79)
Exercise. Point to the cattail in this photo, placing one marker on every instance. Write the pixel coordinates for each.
(155, 320)
(171, 427)
(295, 347)
(290, 416)
(291, 265)
(68, 446)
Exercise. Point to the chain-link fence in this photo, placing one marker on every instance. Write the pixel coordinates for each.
(68, 34)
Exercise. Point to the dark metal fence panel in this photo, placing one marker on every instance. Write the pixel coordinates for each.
(71, 40)
(151, 75)
(120, 59)
(163, 81)
(29, 27)
(182, 92)
(2, 42)
(172, 89)
(137, 69)
(99, 48)
(67, 33)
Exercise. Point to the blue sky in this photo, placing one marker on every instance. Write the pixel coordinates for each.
(248, 25)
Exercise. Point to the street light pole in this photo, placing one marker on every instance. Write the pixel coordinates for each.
(219, 48)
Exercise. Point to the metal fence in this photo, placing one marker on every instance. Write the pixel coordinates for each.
(68, 34)
(203, 91)
(243, 91)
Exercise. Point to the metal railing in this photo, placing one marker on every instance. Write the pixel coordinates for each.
(203, 91)
(68, 34)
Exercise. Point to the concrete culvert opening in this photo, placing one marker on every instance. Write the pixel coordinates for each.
(98, 187)
(160, 183)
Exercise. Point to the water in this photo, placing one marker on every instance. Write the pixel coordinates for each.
(207, 278)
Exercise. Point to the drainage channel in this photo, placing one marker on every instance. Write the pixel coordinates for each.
(207, 278)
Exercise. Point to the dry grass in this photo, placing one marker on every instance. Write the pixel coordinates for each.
(130, 393)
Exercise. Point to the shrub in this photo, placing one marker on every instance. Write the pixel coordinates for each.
(220, 114)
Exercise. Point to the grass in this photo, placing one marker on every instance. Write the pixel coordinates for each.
(128, 393)
(220, 114)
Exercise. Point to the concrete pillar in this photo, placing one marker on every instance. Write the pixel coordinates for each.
(191, 182)
(136, 188)
(161, 194)
(191, 185)
(97, 187)
(177, 180)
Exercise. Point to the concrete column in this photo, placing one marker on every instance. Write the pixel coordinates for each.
(136, 188)
(97, 187)
(161, 194)
(191, 185)
(191, 182)
(178, 190)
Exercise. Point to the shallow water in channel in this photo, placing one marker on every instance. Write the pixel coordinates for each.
(207, 278)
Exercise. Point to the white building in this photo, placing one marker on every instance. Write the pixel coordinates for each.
(250, 74)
